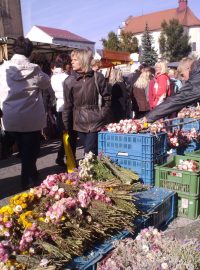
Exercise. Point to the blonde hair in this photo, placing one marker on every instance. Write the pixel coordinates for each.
(185, 63)
(95, 62)
(115, 76)
(144, 78)
(84, 57)
(172, 73)
(163, 66)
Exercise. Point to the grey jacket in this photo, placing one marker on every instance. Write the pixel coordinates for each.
(21, 83)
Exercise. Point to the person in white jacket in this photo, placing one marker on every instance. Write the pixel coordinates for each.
(57, 81)
(24, 116)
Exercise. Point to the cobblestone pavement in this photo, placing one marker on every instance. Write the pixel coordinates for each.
(10, 169)
(10, 184)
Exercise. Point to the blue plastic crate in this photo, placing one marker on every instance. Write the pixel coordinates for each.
(176, 122)
(144, 168)
(184, 126)
(109, 244)
(91, 258)
(88, 262)
(144, 146)
(193, 146)
(195, 124)
(159, 204)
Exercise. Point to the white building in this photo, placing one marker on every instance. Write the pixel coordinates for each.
(183, 13)
(59, 37)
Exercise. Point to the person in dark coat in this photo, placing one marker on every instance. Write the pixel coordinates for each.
(121, 98)
(86, 99)
(21, 84)
(189, 70)
(140, 104)
(132, 77)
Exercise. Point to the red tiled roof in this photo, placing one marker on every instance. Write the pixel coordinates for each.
(137, 24)
(62, 34)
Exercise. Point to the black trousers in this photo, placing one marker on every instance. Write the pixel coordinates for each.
(89, 141)
(29, 147)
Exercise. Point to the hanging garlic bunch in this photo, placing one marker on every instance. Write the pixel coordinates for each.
(86, 166)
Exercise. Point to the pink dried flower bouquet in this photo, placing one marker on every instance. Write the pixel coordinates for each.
(152, 250)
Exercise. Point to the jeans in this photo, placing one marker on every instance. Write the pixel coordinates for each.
(29, 148)
(89, 141)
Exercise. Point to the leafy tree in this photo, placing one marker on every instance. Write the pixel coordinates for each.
(128, 42)
(112, 42)
(174, 43)
(148, 53)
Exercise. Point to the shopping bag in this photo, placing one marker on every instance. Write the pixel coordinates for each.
(50, 131)
(71, 164)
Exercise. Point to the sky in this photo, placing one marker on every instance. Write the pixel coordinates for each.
(91, 19)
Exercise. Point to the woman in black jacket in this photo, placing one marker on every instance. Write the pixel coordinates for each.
(121, 96)
(86, 99)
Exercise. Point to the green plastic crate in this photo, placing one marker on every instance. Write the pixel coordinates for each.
(185, 182)
(188, 206)
(195, 154)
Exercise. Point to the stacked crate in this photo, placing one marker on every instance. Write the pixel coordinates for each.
(159, 206)
(137, 152)
(185, 183)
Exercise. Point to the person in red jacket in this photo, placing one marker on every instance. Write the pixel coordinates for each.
(189, 69)
(159, 86)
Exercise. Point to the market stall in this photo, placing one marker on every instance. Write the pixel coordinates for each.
(72, 220)
(50, 50)
(112, 58)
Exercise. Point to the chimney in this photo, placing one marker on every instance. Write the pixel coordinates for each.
(182, 5)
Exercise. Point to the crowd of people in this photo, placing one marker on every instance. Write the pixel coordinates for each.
(71, 95)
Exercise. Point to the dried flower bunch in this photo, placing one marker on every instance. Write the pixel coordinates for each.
(63, 218)
(192, 112)
(152, 250)
(188, 165)
(126, 126)
(134, 126)
(182, 138)
(102, 169)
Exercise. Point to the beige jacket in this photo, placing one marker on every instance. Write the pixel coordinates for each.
(21, 100)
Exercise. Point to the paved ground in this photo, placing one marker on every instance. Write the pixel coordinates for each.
(10, 169)
(10, 185)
